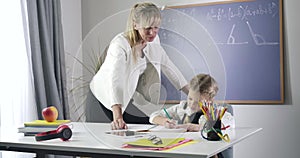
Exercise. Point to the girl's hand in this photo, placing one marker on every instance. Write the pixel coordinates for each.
(190, 127)
(170, 123)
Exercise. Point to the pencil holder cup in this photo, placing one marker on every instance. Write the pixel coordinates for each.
(212, 127)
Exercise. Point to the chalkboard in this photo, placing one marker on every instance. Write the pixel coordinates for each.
(239, 43)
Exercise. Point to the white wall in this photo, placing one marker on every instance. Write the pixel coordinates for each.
(280, 123)
(72, 30)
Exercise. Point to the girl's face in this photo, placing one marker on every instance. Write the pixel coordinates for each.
(193, 100)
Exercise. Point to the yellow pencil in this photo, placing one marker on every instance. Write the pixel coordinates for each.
(200, 104)
(203, 111)
(222, 112)
(212, 112)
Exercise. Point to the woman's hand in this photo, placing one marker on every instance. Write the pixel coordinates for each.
(118, 122)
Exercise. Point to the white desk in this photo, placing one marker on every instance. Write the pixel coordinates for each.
(89, 139)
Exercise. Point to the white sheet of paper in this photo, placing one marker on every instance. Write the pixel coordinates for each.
(164, 129)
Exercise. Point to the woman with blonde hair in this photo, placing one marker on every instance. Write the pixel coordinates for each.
(128, 81)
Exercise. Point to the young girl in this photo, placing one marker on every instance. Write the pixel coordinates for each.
(186, 114)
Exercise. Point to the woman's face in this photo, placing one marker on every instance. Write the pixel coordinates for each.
(147, 33)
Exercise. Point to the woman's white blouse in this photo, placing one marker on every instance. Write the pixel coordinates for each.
(117, 78)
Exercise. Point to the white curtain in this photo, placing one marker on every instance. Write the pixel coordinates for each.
(17, 103)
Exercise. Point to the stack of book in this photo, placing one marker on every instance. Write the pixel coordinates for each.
(37, 126)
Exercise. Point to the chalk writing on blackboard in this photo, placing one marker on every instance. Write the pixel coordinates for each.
(231, 38)
(242, 39)
(257, 38)
(242, 12)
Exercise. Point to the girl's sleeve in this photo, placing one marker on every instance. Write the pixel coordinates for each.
(171, 110)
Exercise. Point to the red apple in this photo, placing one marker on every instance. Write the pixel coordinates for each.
(50, 113)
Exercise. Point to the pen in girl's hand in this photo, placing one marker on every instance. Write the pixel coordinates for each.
(169, 117)
(170, 123)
